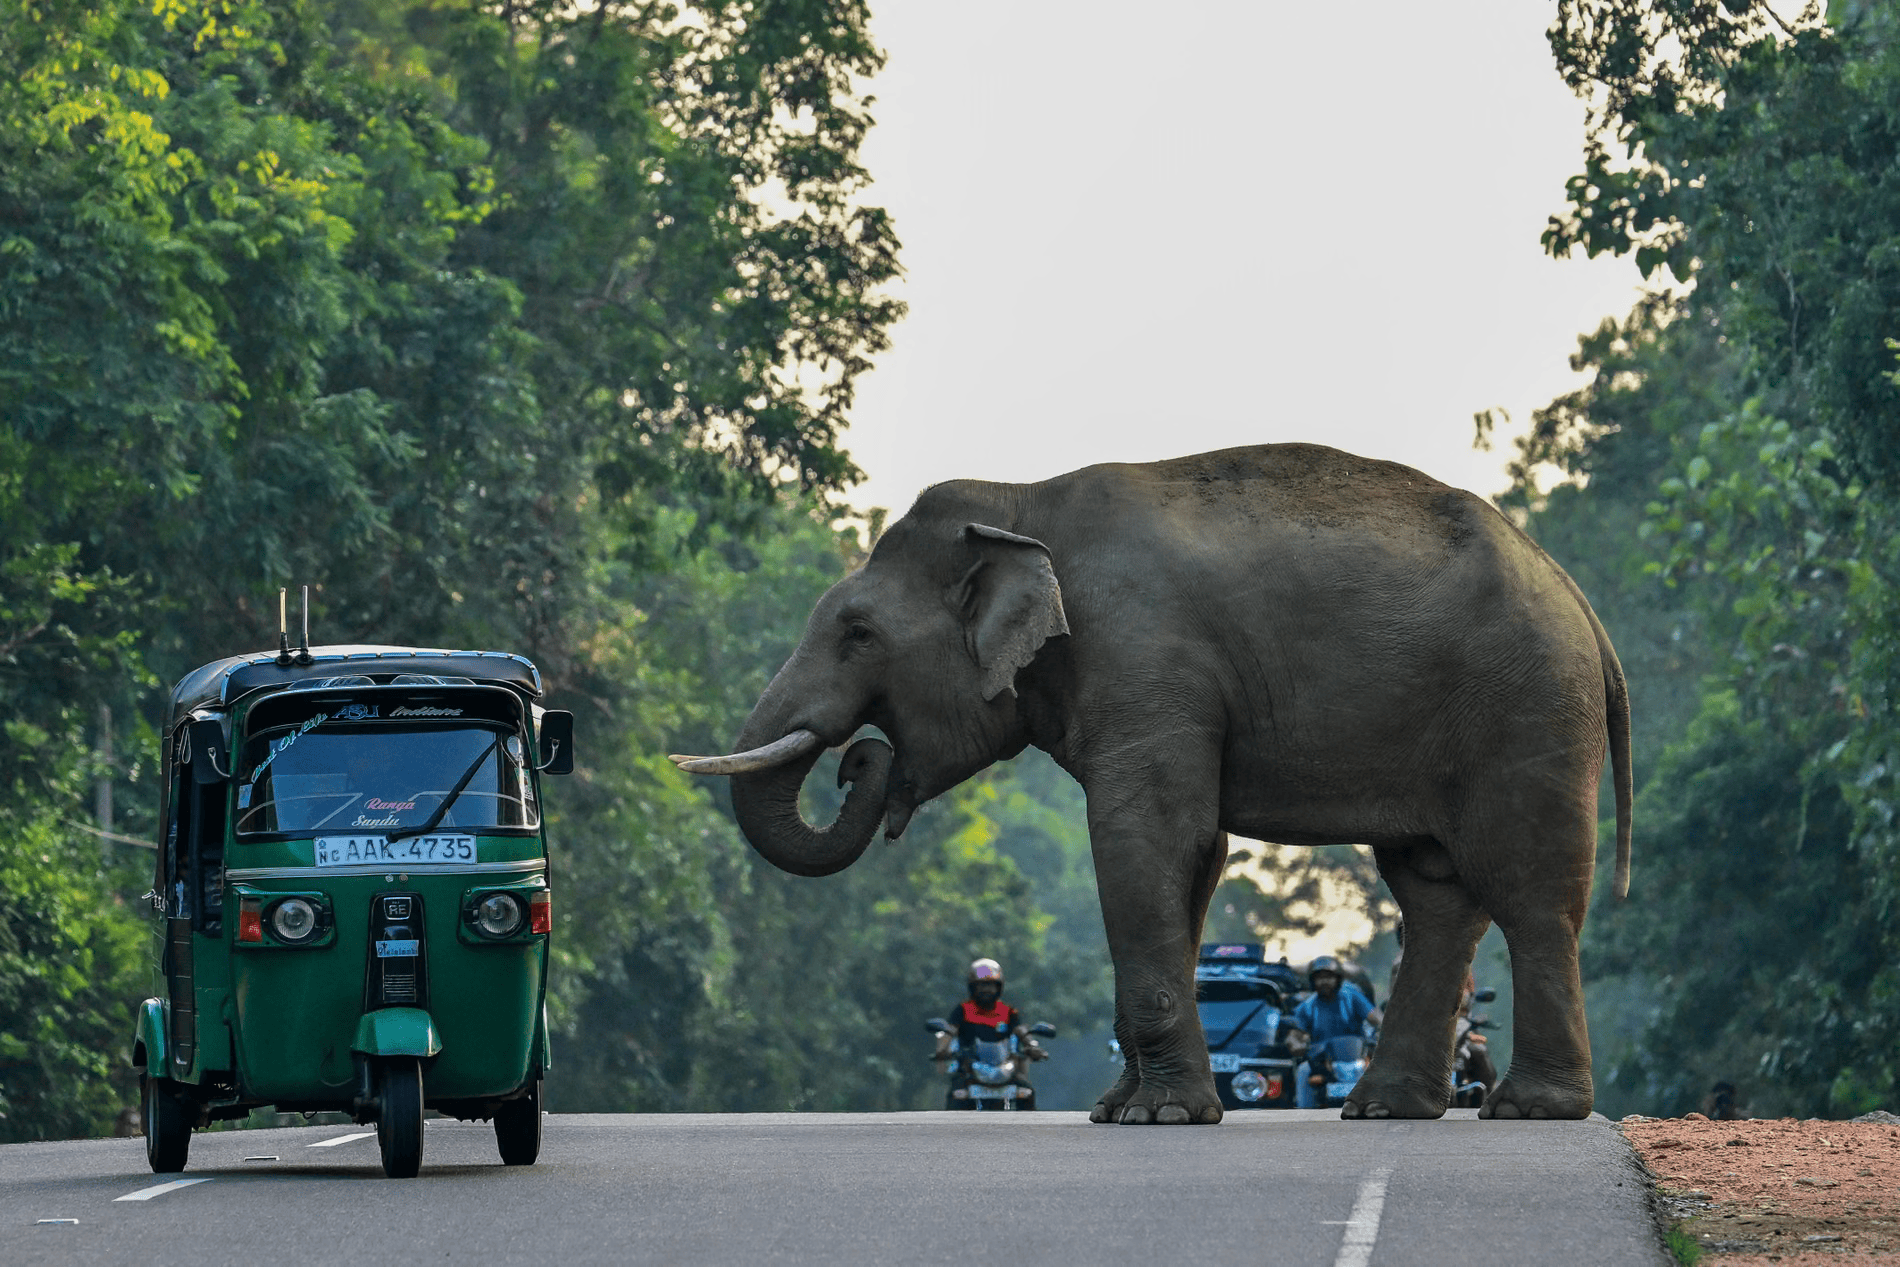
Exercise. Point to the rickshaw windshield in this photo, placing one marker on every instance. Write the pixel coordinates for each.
(381, 778)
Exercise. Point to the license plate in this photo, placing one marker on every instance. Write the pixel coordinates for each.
(396, 949)
(1224, 1062)
(980, 1092)
(410, 851)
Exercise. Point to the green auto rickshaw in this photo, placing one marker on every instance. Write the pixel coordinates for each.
(354, 900)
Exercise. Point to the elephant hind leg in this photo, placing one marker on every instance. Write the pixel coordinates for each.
(1538, 896)
(1550, 1055)
(1410, 1074)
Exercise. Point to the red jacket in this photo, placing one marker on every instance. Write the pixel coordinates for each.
(991, 1022)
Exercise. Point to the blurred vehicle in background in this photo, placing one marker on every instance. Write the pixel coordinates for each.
(1245, 1003)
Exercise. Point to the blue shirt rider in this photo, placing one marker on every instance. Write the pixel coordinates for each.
(1335, 1008)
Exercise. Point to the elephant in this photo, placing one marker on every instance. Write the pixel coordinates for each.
(1286, 642)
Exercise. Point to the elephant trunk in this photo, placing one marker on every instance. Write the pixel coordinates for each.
(766, 804)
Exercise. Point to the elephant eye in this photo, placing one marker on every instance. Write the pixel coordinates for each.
(857, 634)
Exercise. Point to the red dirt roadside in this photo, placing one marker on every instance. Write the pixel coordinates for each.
(1794, 1193)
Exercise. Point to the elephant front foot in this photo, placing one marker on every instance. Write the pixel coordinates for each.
(1372, 1104)
(1154, 1106)
(1520, 1097)
(1109, 1107)
(1376, 1099)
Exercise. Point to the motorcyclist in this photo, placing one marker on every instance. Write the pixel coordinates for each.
(984, 1015)
(1477, 1066)
(1335, 1008)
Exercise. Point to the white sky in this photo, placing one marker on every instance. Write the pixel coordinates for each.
(1134, 231)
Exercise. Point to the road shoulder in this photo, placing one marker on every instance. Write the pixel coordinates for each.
(1793, 1193)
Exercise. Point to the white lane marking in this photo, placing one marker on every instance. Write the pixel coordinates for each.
(1362, 1229)
(342, 1139)
(72, 1221)
(159, 1190)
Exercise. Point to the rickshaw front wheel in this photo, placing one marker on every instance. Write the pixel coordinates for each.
(518, 1127)
(167, 1126)
(399, 1117)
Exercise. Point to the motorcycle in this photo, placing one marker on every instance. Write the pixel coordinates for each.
(1338, 1064)
(1472, 1073)
(990, 1073)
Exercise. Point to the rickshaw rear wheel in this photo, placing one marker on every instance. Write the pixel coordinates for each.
(399, 1117)
(167, 1126)
(518, 1127)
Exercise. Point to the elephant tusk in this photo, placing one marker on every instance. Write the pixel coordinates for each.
(776, 753)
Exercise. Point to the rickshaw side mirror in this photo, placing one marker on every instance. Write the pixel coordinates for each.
(206, 755)
(557, 742)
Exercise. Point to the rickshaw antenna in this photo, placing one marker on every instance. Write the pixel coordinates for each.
(283, 628)
(303, 651)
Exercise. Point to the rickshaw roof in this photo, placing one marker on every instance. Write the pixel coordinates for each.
(222, 681)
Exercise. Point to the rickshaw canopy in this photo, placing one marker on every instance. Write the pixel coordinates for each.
(221, 683)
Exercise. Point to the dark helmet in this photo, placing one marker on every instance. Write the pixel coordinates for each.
(985, 971)
(1325, 963)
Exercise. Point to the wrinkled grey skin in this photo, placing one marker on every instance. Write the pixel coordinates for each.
(1285, 642)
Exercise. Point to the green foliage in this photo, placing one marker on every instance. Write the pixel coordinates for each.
(1758, 162)
(71, 967)
(1753, 939)
(1683, 1246)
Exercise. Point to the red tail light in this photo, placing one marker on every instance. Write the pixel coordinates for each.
(1276, 1086)
(541, 912)
(250, 923)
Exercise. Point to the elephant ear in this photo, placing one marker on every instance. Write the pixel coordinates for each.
(1011, 604)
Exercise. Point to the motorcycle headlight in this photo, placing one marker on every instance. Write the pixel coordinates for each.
(499, 915)
(1248, 1086)
(293, 921)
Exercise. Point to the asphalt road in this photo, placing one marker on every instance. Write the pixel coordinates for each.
(1302, 1189)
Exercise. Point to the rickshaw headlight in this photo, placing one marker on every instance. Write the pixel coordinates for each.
(293, 921)
(499, 915)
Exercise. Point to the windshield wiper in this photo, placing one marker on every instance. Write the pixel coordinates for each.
(1241, 1025)
(448, 800)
